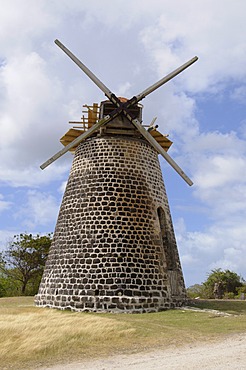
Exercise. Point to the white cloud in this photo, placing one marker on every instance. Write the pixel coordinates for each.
(178, 114)
(32, 176)
(27, 89)
(139, 42)
(40, 209)
(217, 40)
(4, 205)
(34, 112)
(124, 89)
(20, 24)
(220, 246)
(5, 237)
(218, 164)
(29, 121)
(239, 94)
(219, 171)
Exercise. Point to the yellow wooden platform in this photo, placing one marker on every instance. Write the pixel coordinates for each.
(92, 116)
(73, 133)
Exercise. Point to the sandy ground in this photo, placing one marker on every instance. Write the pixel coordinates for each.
(227, 354)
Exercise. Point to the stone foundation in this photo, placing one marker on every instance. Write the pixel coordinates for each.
(113, 304)
(114, 248)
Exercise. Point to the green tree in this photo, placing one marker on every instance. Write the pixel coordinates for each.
(2, 289)
(8, 286)
(23, 261)
(230, 281)
(242, 289)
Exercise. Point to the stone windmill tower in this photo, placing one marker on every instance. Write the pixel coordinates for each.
(114, 247)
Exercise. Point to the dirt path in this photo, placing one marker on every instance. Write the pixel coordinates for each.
(227, 354)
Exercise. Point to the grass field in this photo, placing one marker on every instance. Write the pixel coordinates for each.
(31, 337)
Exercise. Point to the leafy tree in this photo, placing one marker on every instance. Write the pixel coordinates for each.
(241, 290)
(2, 289)
(24, 259)
(8, 286)
(229, 280)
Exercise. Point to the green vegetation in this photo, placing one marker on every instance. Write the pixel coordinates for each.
(22, 264)
(232, 307)
(32, 336)
(231, 286)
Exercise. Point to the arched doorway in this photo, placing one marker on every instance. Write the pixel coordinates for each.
(169, 246)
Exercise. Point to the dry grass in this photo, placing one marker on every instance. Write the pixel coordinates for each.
(31, 336)
(29, 333)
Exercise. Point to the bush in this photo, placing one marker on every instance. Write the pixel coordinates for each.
(228, 280)
(195, 291)
(229, 295)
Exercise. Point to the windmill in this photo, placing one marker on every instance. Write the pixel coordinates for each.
(114, 247)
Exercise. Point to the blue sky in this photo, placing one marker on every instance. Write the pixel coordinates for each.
(130, 45)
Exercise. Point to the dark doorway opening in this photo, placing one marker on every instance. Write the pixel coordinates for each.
(169, 247)
(167, 244)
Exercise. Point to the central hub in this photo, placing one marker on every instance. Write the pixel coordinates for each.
(107, 108)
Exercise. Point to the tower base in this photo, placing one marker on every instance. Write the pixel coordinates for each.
(113, 304)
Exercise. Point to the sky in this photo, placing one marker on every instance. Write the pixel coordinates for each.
(130, 45)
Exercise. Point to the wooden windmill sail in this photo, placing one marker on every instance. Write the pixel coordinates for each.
(114, 247)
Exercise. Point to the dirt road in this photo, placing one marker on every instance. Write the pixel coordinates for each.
(226, 354)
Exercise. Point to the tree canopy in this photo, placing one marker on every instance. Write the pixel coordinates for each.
(219, 284)
(22, 263)
(229, 281)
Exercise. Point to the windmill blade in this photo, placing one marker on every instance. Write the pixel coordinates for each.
(165, 79)
(86, 70)
(76, 141)
(160, 150)
(124, 109)
(109, 93)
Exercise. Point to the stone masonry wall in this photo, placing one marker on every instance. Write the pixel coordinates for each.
(109, 251)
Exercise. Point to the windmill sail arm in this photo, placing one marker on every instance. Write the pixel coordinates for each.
(111, 96)
(86, 70)
(161, 151)
(76, 141)
(165, 79)
(107, 91)
(123, 108)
